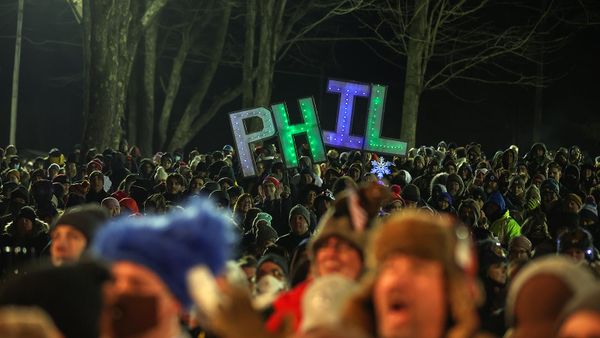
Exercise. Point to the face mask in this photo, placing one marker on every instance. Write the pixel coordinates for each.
(133, 315)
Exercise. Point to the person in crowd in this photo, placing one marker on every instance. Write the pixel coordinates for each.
(299, 222)
(73, 232)
(493, 274)
(96, 193)
(111, 205)
(502, 225)
(539, 294)
(581, 317)
(416, 288)
(150, 258)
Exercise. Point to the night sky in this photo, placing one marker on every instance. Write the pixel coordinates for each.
(50, 112)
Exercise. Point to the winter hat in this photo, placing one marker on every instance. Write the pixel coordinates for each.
(170, 245)
(446, 196)
(53, 166)
(271, 179)
(332, 225)
(520, 242)
(227, 148)
(264, 234)
(323, 301)
(550, 184)
(587, 300)
(70, 294)
(396, 191)
(299, 209)
(489, 252)
(220, 197)
(61, 178)
(455, 178)
(496, 198)
(589, 210)
(411, 193)
(577, 238)
(540, 292)
(27, 212)
(129, 204)
(276, 259)
(262, 216)
(573, 198)
(85, 218)
(420, 234)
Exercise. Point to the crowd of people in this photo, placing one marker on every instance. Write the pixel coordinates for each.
(452, 242)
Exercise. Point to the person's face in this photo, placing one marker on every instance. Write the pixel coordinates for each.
(173, 186)
(443, 204)
(518, 254)
(411, 204)
(581, 324)
(196, 184)
(298, 224)
(453, 188)
(310, 199)
(555, 173)
(467, 215)
(419, 164)
(473, 157)
(396, 206)
(409, 297)
(245, 204)
(270, 189)
(539, 152)
(491, 186)
(97, 183)
(67, 244)
(224, 186)
(336, 255)
(548, 196)
(270, 268)
(25, 225)
(131, 279)
(52, 172)
(517, 190)
(497, 273)
(577, 254)
(166, 163)
(114, 209)
(450, 169)
(572, 206)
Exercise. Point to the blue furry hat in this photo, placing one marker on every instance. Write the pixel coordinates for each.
(170, 245)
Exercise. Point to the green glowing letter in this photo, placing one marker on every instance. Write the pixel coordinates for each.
(373, 140)
(287, 132)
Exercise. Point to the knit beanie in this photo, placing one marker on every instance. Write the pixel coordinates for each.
(573, 198)
(550, 184)
(264, 234)
(276, 259)
(589, 210)
(129, 204)
(411, 193)
(299, 209)
(262, 216)
(520, 242)
(85, 218)
(170, 245)
(27, 212)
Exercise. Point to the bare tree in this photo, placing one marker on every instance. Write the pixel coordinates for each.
(443, 41)
(112, 31)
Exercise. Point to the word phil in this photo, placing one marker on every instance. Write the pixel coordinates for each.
(317, 139)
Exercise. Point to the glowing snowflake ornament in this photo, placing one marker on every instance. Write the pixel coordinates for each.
(381, 167)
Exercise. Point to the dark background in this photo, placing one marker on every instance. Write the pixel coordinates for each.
(50, 97)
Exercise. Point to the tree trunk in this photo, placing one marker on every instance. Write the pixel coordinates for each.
(133, 110)
(146, 120)
(114, 29)
(264, 78)
(184, 132)
(413, 84)
(173, 89)
(248, 91)
(16, 68)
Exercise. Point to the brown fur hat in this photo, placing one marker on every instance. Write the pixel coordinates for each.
(420, 234)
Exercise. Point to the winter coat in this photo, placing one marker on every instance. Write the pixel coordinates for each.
(505, 228)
